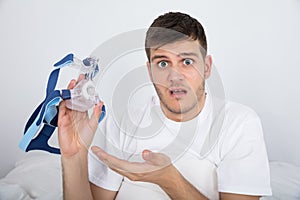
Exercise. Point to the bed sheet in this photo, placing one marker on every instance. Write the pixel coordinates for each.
(38, 176)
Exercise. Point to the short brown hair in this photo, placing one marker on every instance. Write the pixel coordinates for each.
(174, 26)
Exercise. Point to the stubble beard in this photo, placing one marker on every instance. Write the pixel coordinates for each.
(183, 108)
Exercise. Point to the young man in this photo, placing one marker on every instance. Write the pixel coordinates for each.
(172, 167)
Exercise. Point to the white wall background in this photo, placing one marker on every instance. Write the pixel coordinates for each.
(255, 45)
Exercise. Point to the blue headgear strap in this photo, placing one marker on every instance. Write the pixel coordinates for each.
(46, 114)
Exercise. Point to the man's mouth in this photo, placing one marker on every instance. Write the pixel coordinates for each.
(177, 92)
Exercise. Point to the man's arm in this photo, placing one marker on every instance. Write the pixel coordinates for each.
(103, 194)
(159, 170)
(177, 187)
(76, 184)
(75, 133)
(75, 178)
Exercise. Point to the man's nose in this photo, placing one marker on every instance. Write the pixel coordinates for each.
(175, 74)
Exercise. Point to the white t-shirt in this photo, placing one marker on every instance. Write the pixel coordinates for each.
(230, 157)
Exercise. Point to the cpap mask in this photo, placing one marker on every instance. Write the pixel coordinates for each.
(84, 95)
(81, 98)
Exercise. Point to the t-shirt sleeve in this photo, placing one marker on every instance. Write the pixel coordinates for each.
(102, 176)
(106, 137)
(244, 166)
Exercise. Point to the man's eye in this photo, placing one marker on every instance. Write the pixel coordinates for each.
(187, 61)
(163, 64)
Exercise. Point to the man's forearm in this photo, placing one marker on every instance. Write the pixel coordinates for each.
(75, 177)
(177, 187)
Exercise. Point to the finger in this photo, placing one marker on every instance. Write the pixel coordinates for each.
(80, 78)
(122, 166)
(111, 161)
(61, 111)
(158, 159)
(103, 156)
(96, 114)
(72, 84)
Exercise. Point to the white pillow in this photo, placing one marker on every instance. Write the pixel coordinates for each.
(13, 192)
(39, 174)
(285, 181)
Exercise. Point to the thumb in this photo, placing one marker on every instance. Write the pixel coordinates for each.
(158, 159)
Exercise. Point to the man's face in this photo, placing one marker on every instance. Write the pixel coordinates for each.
(178, 72)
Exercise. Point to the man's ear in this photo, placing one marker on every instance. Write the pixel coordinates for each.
(208, 66)
(149, 70)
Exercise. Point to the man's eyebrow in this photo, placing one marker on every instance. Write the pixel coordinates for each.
(158, 57)
(188, 54)
(179, 55)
